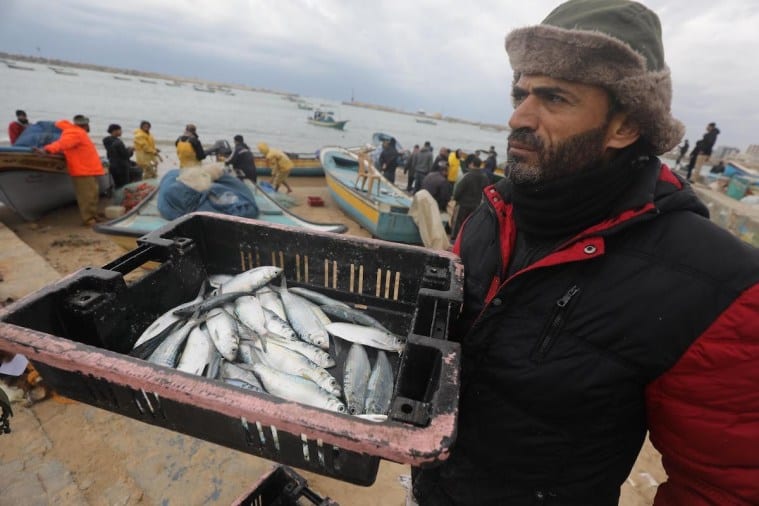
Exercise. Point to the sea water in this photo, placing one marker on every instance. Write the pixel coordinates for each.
(258, 116)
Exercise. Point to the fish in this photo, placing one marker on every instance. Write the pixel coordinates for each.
(303, 320)
(222, 328)
(250, 313)
(209, 303)
(372, 418)
(146, 348)
(278, 326)
(251, 280)
(199, 352)
(216, 280)
(379, 390)
(270, 300)
(215, 365)
(351, 315)
(234, 372)
(317, 298)
(311, 352)
(320, 314)
(166, 320)
(292, 362)
(368, 336)
(356, 378)
(167, 352)
(296, 388)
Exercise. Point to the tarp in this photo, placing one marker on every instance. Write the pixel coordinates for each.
(426, 214)
(227, 195)
(38, 134)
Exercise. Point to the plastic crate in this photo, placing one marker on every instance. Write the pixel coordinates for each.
(77, 331)
(282, 487)
(315, 201)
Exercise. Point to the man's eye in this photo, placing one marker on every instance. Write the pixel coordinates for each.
(518, 98)
(555, 99)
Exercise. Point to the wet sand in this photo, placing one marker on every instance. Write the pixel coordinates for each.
(77, 454)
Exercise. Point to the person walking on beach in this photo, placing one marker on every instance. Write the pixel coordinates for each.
(119, 163)
(491, 162)
(189, 149)
(468, 194)
(388, 159)
(145, 153)
(17, 127)
(436, 183)
(454, 166)
(597, 300)
(423, 165)
(279, 164)
(242, 160)
(704, 147)
(83, 163)
(683, 150)
(410, 169)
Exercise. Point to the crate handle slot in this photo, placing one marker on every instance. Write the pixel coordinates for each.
(320, 452)
(306, 454)
(136, 258)
(411, 411)
(275, 438)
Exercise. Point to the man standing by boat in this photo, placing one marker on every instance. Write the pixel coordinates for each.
(15, 128)
(279, 164)
(146, 154)
(242, 161)
(423, 165)
(704, 147)
(388, 159)
(118, 154)
(189, 149)
(597, 299)
(83, 164)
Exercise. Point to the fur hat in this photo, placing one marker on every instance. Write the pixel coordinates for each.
(615, 44)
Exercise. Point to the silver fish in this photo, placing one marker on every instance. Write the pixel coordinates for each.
(209, 303)
(379, 391)
(251, 280)
(292, 362)
(317, 298)
(232, 371)
(199, 352)
(350, 315)
(356, 378)
(311, 352)
(368, 336)
(166, 320)
(270, 300)
(303, 319)
(215, 365)
(167, 352)
(249, 311)
(278, 326)
(216, 280)
(222, 328)
(373, 418)
(295, 388)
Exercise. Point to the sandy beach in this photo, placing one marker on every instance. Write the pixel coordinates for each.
(72, 453)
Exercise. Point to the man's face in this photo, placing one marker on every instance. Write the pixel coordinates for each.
(116, 133)
(146, 127)
(558, 128)
(22, 118)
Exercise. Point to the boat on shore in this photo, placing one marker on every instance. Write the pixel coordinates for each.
(145, 218)
(32, 185)
(384, 212)
(63, 72)
(304, 165)
(326, 119)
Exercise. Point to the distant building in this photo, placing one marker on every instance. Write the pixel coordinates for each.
(753, 151)
(724, 152)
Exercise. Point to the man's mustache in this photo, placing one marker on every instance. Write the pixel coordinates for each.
(527, 137)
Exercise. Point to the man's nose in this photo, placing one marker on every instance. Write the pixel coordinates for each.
(525, 115)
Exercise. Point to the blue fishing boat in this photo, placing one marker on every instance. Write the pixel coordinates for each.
(304, 164)
(326, 119)
(145, 217)
(383, 211)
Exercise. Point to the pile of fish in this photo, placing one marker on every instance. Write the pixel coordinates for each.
(253, 333)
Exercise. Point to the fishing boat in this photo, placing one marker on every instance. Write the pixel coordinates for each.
(426, 121)
(32, 185)
(203, 89)
(145, 217)
(384, 212)
(304, 164)
(18, 67)
(147, 81)
(122, 78)
(305, 106)
(175, 84)
(63, 72)
(326, 119)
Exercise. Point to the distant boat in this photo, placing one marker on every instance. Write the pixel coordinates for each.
(384, 213)
(18, 67)
(32, 185)
(63, 72)
(148, 81)
(121, 78)
(305, 106)
(304, 164)
(326, 119)
(145, 218)
(203, 89)
(426, 121)
(175, 83)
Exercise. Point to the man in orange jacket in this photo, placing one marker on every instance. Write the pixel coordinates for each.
(83, 164)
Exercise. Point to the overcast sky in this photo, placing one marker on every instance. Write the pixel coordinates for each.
(438, 55)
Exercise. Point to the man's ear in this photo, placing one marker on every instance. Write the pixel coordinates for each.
(622, 131)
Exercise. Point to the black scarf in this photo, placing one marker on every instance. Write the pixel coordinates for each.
(566, 206)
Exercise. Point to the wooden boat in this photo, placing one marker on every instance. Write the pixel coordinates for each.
(32, 185)
(63, 71)
(144, 218)
(18, 67)
(304, 164)
(326, 119)
(426, 121)
(384, 213)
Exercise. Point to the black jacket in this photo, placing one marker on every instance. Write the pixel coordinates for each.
(437, 184)
(118, 159)
(388, 159)
(195, 143)
(468, 191)
(423, 161)
(707, 142)
(564, 361)
(242, 161)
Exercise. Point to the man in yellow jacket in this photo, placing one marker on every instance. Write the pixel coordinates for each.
(454, 165)
(83, 163)
(145, 153)
(280, 165)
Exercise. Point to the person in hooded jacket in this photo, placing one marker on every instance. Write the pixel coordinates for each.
(598, 302)
(189, 149)
(119, 163)
(280, 165)
(705, 146)
(17, 127)
(468, 194)
(145, 152)
(388, 159)
(242, 160)
(83, 163)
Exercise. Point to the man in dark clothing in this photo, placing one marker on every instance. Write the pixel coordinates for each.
(468, 194)
(15, 128)
(705, 149)
(388, 159)
(683, 150)
(423, 165)
(189, 149)
(242, 161)
(119, 163)
(410, 168)
(692, 159)
(491, 162)
(598, 302)
(436, 182)
(718, 168)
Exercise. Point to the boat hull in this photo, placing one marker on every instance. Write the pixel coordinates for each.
(304, 165)
(339, 125)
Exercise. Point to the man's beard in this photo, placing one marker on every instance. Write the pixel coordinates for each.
(575, 154)
(24, 121)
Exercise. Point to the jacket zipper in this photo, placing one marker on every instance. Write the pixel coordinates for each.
(556, 325)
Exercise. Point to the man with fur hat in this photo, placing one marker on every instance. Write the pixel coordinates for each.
(597, 301)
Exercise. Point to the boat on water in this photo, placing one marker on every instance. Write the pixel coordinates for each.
(384, 212)
(203, 89)
(63, 72)
(32, 185)
(18, 67)
(174, 84)
(304, 165)
(326, 119)
(122, 78)
(147, 81)
(305, 106)
(145, 217)
(426, 121)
